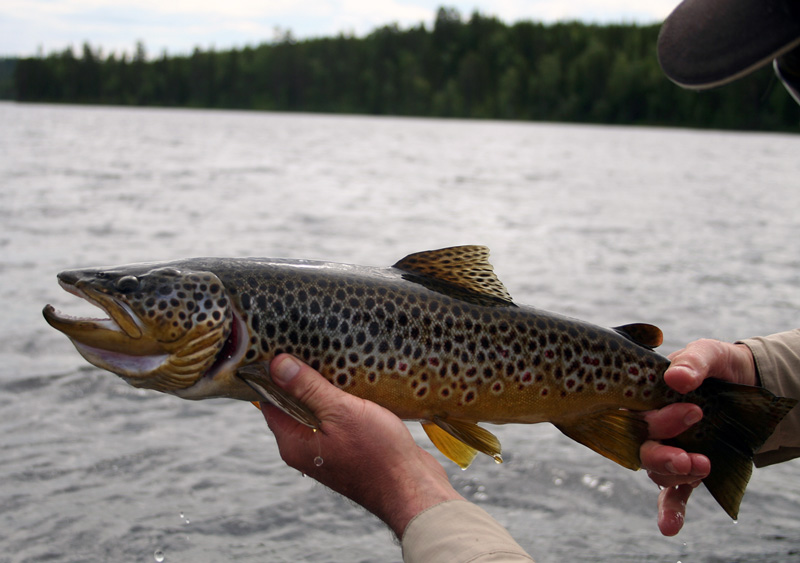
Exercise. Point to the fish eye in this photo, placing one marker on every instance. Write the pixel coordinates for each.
(127, 283)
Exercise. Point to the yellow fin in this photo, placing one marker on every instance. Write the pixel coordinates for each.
(464, 268)
(614, 433)
(454, 449)
(472, 435)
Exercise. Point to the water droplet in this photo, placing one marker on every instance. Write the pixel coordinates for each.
(318, 461)
(558, 481)
(497, 458)
(735, 522)
(159, 556)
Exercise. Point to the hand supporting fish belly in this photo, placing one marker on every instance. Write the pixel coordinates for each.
(435, 338)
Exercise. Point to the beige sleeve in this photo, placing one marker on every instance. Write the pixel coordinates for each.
(777, 359)
(458, 531)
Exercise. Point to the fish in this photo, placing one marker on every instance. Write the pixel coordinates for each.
(435, 338)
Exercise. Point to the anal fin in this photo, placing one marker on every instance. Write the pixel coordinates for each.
(257, 377)
(460, 440)
(614, 433)
(452, 448)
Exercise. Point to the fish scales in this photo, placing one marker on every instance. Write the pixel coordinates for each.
(423, 353)
(435, 338)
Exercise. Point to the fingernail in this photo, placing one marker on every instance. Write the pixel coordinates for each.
(693, 417)
(671, 468)
(285, 371)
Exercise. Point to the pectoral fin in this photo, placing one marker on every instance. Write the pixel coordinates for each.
(460, 440)
(614, 433)
(257, 377)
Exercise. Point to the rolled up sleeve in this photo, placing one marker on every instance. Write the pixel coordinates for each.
(459, 531)
(777, 360)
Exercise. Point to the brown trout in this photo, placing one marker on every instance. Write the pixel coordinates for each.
(435, 338)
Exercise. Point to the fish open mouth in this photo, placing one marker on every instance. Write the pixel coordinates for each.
(121, 344)
(119, 332)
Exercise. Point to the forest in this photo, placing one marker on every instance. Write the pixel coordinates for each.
(475, 67)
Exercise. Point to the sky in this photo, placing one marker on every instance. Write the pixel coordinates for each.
(30, 27)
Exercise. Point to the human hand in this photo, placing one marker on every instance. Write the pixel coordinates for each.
(368, 454)
(680, 472)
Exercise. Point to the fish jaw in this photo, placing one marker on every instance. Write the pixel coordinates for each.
(140, 345)
(118, 333)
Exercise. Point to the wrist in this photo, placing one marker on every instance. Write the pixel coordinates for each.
(748, 374)
(412, 488)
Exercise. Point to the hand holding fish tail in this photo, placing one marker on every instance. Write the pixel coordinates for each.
(706, 358)
(367, 454)
(678, 471)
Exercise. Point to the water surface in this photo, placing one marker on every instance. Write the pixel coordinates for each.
(694, 231)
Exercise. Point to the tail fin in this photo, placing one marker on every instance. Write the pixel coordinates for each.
(737, 420)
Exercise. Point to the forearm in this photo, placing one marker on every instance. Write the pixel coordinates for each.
(407, 490)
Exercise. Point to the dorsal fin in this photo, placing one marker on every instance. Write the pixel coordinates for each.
(465, 268)
(642, 334)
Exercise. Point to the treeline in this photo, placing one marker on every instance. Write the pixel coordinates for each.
(475, 68)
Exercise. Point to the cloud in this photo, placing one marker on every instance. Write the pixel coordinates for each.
(180, 25)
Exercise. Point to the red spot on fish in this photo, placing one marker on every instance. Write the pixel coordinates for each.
(600, 386)
(433, 361)
(549, 354)
(633, 370)
(544, 392)
(502, 351)
(629, 393)
(651, 377)
(497, 387)
(527, 377)
(402, 366)
(570, 383)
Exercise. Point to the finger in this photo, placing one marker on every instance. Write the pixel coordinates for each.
(664, 460)
(672, 420)
(672, 509)
(305, 384)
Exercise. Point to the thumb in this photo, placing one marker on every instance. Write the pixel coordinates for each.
(305, 386)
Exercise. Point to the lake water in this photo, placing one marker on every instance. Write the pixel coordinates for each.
(695, 231)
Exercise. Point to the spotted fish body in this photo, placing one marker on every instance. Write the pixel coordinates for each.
(435, 338)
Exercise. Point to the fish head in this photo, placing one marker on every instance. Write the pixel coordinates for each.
(167, 327)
